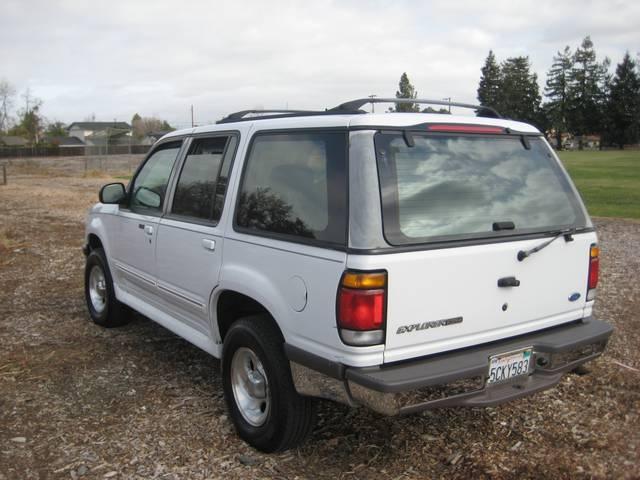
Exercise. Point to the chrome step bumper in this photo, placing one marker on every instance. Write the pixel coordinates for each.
(449, 379)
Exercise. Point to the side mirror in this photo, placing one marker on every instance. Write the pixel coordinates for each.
(112, 193)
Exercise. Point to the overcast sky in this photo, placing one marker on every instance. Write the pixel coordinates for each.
(115, 58)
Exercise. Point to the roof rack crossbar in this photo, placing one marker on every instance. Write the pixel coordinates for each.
(354, 105)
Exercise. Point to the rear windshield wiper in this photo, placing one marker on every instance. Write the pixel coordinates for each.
(568, 237)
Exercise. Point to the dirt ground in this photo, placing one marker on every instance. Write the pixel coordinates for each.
(78, 401)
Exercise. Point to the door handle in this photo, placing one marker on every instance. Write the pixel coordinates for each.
(508, 282)
(208, 244)
(148, 229)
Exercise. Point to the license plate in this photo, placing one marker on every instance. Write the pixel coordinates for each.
(508, 365)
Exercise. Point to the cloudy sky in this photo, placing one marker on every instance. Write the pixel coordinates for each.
(114, 58)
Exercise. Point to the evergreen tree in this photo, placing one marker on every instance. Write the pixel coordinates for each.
(519, 93)
(145, 125)
(137, 126)
(406, 90)
(587, 92)
(30, 122)
(557, 91)
(166, 127)
(443, 111)
(623, 109)
(29, 125)
(490, 83)
(56, 129)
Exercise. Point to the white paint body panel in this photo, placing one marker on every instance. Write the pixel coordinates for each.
(134, 253)
(456, 282)
(187, 271)
(263, 268)
(173, 280)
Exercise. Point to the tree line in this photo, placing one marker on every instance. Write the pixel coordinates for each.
(30, 124)
(581, 97)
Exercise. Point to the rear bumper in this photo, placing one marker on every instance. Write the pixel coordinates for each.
(455, 378)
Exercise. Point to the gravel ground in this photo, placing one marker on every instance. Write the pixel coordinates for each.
(77, 401)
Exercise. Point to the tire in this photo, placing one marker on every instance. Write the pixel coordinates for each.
(104, 308)
(274, 417)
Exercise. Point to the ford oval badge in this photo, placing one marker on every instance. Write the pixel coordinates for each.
(574, 297)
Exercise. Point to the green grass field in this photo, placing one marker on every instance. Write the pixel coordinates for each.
(608, 181)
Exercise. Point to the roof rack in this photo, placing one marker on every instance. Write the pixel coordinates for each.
(355, 105)
(352, 107)
(265, 114)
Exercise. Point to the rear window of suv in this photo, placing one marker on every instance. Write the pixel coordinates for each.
(449, 187)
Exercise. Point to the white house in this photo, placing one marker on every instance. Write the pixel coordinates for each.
(100, 133)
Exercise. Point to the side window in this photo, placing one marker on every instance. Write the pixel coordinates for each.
(150, 185)
(296, 184)
(203, 180)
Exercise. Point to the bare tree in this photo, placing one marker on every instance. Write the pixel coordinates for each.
(7, 92)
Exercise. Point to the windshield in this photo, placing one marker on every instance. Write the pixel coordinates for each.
(458, 186)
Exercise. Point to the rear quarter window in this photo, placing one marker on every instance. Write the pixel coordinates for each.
(294, 185)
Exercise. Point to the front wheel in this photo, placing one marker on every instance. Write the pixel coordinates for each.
(263, 404)
(103, 306)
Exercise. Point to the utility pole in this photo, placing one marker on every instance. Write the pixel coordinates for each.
(373, 105)
(27, 95)
(448, 99)
(192, 125)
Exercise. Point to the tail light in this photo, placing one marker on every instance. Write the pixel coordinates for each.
(594, 270)
(361, 307)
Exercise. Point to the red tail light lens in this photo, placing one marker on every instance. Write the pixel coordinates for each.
(361, 309)
(594, 271)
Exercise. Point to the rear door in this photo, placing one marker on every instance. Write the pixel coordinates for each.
(190, 235)
(459, 208)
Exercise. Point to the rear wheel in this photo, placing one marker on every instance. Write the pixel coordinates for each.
(263, 404)
(104, 308)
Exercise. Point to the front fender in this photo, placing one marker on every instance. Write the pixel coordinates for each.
(96, 224)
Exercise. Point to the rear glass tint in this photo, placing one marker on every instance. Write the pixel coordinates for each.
(294, 184)
(458, 186)
(202, 183)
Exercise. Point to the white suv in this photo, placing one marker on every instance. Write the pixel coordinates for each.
(400, 261)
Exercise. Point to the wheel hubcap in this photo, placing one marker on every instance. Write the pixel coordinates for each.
(250, 386)
(97, 289)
